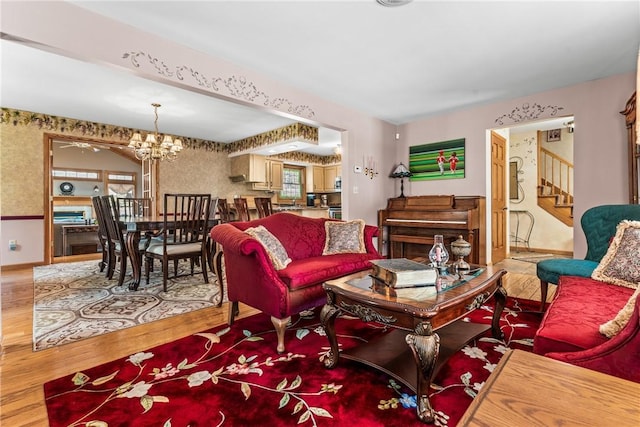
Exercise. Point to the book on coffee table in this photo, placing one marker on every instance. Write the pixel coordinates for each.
(403, 272)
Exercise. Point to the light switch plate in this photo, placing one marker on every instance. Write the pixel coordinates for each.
(357, 169)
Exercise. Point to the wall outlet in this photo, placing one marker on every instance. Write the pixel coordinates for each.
(13, 245)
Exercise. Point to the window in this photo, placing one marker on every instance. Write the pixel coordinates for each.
(121, 184)
(292, 183)
(76, 174)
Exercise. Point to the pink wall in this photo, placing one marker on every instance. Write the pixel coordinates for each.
(600, 153)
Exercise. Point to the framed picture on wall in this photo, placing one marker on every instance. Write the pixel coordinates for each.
(553, 135)
(437, 160)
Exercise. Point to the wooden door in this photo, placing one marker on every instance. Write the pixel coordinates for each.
(498, 198)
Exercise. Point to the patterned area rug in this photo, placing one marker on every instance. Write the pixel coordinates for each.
(234, 376)
(74, 301)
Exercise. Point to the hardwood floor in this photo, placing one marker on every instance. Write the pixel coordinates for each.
(23, 372)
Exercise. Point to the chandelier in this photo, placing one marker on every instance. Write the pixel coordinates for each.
(152, 148)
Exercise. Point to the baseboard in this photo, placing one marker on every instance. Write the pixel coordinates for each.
(14, 267)
(513, 249)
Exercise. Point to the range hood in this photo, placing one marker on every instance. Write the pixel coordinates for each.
(238, 178)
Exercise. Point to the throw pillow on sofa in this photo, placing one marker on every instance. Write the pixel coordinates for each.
(344, 237)
(615, 325)
(621, 264)
(277, 253)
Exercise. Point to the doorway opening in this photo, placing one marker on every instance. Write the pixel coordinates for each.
(539, 213)
(78, 169)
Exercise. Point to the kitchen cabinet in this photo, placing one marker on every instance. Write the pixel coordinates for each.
(273, 176)
(316, 183)
(252, 166)
(262, 173)
(330, 175)
(322, 179)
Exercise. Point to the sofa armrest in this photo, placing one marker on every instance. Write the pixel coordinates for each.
(618, 356)
(235, 240)
(236, 244)
(369, 233)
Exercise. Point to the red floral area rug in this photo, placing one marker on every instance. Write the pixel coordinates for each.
(233, 376)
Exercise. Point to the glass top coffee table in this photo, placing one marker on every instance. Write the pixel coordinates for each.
(427, 324)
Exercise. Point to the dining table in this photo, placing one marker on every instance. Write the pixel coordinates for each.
(134, 227)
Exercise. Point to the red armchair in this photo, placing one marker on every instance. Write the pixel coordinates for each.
(569, 331)
(252, 279)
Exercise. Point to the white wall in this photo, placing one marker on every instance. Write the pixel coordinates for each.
(28, 233)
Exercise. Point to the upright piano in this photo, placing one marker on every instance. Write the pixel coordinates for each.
(408, 224)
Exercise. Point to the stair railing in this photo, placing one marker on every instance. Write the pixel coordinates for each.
(555, 175)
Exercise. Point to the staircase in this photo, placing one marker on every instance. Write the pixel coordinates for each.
(555, 186)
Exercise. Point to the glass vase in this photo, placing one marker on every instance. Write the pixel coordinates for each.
(438, 254)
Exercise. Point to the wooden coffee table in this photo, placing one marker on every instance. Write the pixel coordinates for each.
(527, 389)
(413, 352)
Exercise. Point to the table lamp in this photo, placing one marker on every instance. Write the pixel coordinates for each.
(401, 172)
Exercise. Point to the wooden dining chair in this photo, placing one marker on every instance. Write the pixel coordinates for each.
(103, 237)
(132, 206)
(242, 209)
(264, 206)
(224, 211)
(183, 235)
(118, 250)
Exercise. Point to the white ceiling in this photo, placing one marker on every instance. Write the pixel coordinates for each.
(399, 64)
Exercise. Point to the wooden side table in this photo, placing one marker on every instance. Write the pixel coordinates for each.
(527, 389)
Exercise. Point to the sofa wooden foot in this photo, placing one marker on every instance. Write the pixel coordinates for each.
(280, 325)
(233, 311)
(544, 288)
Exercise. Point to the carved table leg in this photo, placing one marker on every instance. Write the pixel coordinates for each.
(425, 346)
(328, 317)
(501, 298)
(131, 242)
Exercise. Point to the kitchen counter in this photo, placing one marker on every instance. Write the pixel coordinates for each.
(308, 211)
(298, 208)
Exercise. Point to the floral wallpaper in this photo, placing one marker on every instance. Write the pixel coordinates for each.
(49, 123)
(296, 131)
(202, 166)
(90, 129)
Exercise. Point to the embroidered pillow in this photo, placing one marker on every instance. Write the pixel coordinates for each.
(277, 253)
(615, 325)
(344, 237)
(621, 264)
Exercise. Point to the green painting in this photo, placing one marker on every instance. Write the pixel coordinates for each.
(437, 160)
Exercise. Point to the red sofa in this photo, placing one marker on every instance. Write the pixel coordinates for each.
(570, 328)
(252, 279)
